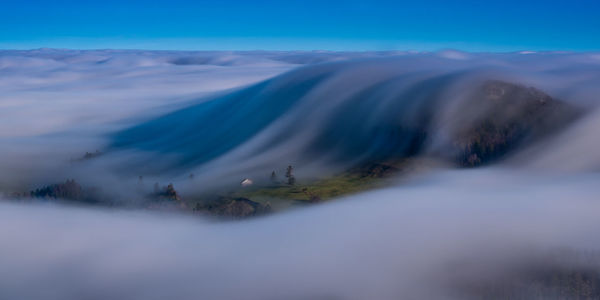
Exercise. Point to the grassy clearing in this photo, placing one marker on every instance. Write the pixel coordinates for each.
(322, 189)
(281, 196)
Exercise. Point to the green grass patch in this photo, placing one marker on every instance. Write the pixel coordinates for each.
(281, 196)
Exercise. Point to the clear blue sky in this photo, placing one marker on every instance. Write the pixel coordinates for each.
(295, 24)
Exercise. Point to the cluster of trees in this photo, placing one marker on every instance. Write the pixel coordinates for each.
(166, 192)
(290, 179)
(70, 190)
(159, 193)
(87, 156)
(514, 115)
(90, 155)
(73, 191)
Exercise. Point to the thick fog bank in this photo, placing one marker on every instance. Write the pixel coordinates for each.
(165, 115)
(55, 105)
(331, 116)
(508, 228)
(58, 104)
(448, 235)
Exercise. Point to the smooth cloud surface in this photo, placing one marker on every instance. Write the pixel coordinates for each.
(429, 236)
(395, 243)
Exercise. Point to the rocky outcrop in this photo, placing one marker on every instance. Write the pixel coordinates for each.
(238, 207)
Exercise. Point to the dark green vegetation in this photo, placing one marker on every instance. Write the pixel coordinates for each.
(240, 202)
(508, 117)
(70, 190)
(511, 116)
(247, 201)
(284, 194)
(166, 193)
(503, 117)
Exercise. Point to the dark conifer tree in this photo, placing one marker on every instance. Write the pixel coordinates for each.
(290, 176)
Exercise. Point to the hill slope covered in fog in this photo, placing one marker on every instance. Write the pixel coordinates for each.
(454, 175)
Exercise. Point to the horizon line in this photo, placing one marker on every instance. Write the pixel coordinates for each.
(408, 51)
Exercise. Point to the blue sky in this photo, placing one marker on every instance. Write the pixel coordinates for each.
(285, 25)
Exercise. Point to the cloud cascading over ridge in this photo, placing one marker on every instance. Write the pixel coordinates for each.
(437, 233)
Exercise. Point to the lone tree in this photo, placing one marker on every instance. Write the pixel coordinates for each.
(290, 176)
(274, 177)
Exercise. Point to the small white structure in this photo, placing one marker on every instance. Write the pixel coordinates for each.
(246, 182)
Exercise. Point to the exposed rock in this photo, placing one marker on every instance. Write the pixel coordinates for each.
(314, 199)
(234, 207)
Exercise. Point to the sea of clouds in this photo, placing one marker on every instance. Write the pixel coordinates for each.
(432, 235)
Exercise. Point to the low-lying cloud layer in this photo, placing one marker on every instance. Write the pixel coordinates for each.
(225, 116)
(330, 116)
(434, 237)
